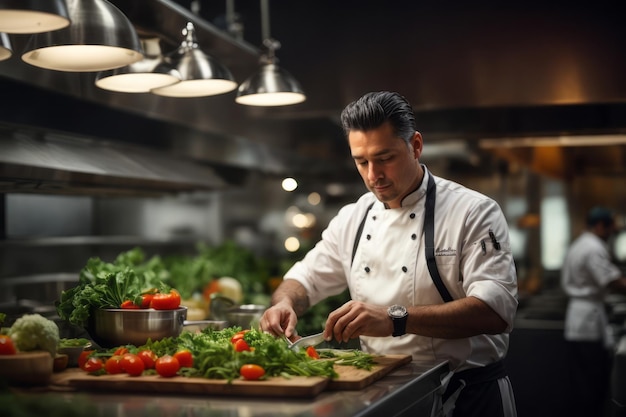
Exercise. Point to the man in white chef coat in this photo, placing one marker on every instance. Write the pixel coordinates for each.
(586, 276)
(427, 262)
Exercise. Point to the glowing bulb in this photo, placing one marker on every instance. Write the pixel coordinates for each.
(289, 184)
(314, 199)
(292, 244)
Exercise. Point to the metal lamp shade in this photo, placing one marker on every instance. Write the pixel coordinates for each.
(5, 47)
(100, 38)
(142, 76)
(271, 86)
(200, 74)
(32, 16)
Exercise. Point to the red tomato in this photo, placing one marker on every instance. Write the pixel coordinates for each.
(6, 345)
(238, 335)
(146, 299)
(113, 365)
(82, 359)
(129, 305)
(185, 358)
(148, 357)
(132, 364)
(312, 353)
(241, 345)
(167, 366)
(93, 364)
(121, 351)
(251, 371)
(166, 301)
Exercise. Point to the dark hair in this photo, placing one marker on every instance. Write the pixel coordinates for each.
(374, 109)
(599, 215)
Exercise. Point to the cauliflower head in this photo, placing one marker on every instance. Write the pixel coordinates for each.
(34, 331)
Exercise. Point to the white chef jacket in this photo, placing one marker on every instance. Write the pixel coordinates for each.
(586, 272)
(390, 266)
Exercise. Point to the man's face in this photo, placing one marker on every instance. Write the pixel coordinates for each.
(389, 168)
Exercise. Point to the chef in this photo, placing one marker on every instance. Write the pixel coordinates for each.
(427, 262)
(586, 277)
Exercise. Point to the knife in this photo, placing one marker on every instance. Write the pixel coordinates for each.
(313, 340)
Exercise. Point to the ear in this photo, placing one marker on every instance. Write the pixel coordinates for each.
(417, 143)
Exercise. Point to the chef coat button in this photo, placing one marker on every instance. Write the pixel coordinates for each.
(373, 217)
(367, 269)
(413, 236)
(412, 215)
(404, 269)
(368, 237)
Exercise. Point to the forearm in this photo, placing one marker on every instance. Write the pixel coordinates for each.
(292, 292)
(466, 317)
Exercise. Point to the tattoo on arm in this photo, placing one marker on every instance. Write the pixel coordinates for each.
(295, 293)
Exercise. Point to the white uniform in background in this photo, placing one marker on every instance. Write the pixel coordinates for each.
(586, 272)
(390, 266)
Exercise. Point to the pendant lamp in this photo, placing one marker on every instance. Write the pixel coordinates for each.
(99, 38)
(271, 85)
(5, 47)
(200, 73)
(32, 16)
(142, 76)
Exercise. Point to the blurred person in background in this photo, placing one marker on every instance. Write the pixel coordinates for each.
(587, 275)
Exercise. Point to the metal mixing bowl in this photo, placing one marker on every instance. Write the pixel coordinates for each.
(116, 327)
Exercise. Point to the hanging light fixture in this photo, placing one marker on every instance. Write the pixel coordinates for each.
(272, 85)
(5, 47)
(142, 76)
(200, 74)
(32, 16)
(99, 38)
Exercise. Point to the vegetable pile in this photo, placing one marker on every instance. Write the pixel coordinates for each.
(226, 354)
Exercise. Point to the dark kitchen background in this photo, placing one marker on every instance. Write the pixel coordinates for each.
(525, 102)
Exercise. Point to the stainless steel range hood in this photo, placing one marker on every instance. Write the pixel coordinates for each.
(48, 162)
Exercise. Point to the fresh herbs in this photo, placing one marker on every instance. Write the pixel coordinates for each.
(108, 285)
(356, 358)
(215, 356)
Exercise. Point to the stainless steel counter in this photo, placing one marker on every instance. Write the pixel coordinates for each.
(410, 390)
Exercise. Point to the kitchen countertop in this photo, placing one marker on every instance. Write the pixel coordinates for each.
(408, 390)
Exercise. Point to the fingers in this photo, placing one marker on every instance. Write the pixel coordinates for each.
(279, 321)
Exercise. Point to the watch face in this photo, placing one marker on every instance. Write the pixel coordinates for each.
(397, 311)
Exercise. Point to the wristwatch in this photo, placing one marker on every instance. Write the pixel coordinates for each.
(398, 315)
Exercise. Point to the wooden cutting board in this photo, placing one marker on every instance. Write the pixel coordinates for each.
(350, 378)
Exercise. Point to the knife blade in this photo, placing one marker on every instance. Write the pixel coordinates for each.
(312, 340)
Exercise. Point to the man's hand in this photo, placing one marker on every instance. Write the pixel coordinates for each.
(354, 319)
(288, 301)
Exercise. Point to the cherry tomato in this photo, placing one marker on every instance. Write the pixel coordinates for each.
(312, 353)
(185, 358)
(168, 301)
(251, 371)
(93, 364)
(129, 305)
(241, 345)
(238, 335)
(113, 366)
(148, 357)
(132, 364)
(121, 351)
(82, 358)
(6, 345)
(146, 299)
(167, 366)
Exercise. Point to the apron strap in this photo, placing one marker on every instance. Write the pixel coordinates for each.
(429, 240)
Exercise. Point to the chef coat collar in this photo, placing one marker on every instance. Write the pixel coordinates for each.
(415, 196)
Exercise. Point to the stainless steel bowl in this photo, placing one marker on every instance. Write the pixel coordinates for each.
(116, 327)
(246, 316)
